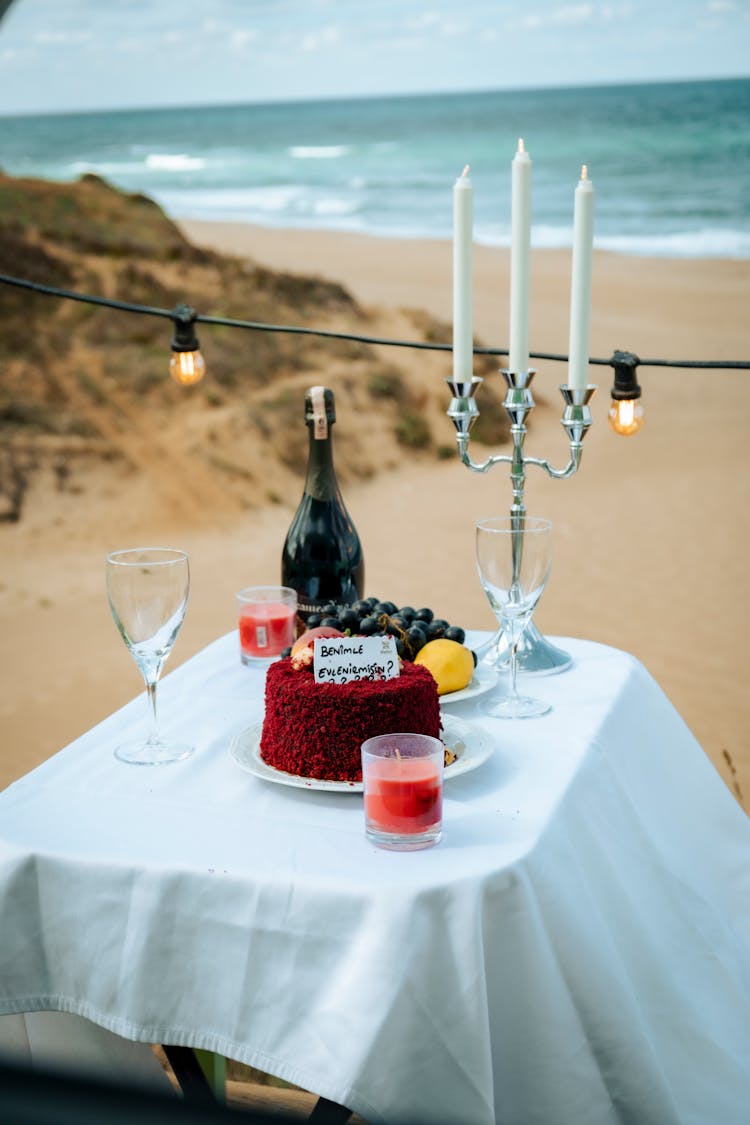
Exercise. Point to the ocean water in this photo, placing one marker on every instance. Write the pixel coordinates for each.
(670, 162)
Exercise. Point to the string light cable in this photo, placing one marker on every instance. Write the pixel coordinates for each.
(187, 365)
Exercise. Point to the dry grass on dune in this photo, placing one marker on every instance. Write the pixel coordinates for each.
(84, 385)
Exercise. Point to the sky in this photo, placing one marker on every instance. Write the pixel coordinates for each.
(67, 55)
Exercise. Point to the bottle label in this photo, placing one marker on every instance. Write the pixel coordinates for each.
(307, 607)
(320, 419)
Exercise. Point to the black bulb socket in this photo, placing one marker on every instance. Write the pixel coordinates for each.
(626, 383)
(185, 339)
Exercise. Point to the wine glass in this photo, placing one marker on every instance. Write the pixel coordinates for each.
(514, 555)
(148, 588)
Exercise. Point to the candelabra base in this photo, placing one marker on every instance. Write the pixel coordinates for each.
(535, 655)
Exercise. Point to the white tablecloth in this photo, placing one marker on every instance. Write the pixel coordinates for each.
(574, 951)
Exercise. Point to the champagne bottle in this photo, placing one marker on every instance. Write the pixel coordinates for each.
(322, 556)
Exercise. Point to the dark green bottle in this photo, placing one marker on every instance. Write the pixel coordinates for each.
(322, 557)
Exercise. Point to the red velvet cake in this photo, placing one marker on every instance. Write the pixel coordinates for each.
(317, 730)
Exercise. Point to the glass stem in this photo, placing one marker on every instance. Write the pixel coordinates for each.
(513, 667)
(151, 693)
(514, 634)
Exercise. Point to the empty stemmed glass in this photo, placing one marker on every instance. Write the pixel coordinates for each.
(514, 555)
(148, 589)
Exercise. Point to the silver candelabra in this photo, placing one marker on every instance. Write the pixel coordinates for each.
(534, 653)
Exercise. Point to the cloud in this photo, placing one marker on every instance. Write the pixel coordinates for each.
(575, 15)
(61, 38)
(569, 15)
(435, 22)
(329, 36)
(241, 38)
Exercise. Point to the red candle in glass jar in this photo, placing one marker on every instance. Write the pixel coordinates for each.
(403, 795)
(267, 621)
(403, 790)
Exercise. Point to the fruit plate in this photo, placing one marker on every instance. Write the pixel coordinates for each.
(469, 742)
(483, 679)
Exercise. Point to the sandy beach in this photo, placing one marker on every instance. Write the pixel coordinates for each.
(651, 535)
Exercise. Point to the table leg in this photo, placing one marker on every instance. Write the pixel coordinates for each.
(201, 1076)
(190, 1075)
(215, 1069)
(326, 1112)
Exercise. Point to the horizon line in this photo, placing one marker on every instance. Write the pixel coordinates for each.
(393, 96)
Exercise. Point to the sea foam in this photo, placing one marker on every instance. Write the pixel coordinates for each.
(174, 162)
(318, 152)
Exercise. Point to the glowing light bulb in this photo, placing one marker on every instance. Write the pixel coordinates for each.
(626, 416)
(626, 412)
(187, 368)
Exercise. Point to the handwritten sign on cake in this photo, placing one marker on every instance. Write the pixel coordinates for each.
(340, 660)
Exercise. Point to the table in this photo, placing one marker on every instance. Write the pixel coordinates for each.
(575, 950)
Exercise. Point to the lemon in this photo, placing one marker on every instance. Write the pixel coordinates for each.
(451, 664)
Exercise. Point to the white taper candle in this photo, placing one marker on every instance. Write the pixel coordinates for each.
(580, 285)
(520, 260)
(463, 340)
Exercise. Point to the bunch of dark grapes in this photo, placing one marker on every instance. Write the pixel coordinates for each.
(412, 628)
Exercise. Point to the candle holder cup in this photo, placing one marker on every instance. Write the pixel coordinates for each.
(266, 619)
(534, 653)
(402, 776)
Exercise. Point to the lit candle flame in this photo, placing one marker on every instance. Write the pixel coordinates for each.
(584, 171)
(521, 147)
